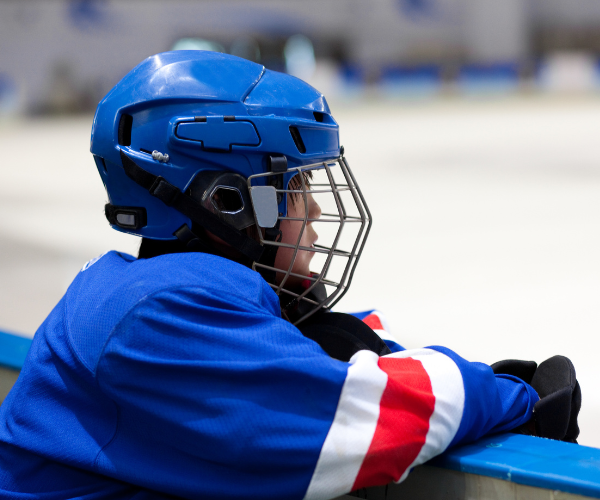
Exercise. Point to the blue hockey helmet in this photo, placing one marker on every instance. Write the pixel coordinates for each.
(213, 139)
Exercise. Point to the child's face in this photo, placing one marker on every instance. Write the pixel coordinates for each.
(290, 229)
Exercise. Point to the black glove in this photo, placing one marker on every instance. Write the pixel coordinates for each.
(555, 414)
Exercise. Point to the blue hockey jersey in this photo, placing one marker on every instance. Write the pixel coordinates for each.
(177, 376)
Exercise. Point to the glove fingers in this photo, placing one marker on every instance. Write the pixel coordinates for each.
(573, 428)
(552, 414)
(555, 381)
(521, 369)
(554, 374)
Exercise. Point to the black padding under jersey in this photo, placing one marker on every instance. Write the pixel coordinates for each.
(342, 335)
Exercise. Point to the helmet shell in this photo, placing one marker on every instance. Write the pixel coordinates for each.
(206, 111)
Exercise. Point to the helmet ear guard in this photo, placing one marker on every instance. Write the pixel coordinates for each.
(225, 194)
(172, 196)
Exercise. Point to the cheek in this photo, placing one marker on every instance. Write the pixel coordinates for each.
(284, 255)
(289, 231)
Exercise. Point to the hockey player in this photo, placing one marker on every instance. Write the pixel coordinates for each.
(210, 366)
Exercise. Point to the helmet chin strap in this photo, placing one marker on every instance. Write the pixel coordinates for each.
(269, 253)
(294, 309)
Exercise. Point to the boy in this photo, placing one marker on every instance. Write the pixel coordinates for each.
(210, 366)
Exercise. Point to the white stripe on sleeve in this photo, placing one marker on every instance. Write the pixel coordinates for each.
(352, 429)
(448, 389)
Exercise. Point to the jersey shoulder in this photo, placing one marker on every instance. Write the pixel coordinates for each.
(112, 287)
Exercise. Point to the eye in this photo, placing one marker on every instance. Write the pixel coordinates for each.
(227, 200)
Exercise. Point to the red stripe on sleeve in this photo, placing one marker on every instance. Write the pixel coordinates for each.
(405, 409)
(373, 321)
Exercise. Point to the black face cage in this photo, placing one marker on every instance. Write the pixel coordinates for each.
(344, 224)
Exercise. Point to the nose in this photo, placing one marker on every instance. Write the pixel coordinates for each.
(314, 210)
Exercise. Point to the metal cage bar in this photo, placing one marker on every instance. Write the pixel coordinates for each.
(334, 189)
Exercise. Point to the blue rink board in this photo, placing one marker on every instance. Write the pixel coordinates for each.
(531, 461)
(521, 459)
(13, 349)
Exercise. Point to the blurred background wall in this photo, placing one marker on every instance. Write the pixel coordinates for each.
(471, 126)
(64, 55)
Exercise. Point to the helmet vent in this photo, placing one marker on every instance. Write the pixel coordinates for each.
(297, 139)
(227, 200)
(100, 163)
(125, 124)
(319, 116)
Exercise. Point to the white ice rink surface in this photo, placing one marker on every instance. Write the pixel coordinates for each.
(486, 236)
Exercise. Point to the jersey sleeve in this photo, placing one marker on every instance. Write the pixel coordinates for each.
(400, 410)
(222, 399)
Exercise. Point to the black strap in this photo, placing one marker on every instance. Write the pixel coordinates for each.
(192, 241)
(172, 196)
(269, 254)
(276, 163)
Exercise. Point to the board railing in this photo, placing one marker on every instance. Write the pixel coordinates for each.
(498, 467)
(501, 467)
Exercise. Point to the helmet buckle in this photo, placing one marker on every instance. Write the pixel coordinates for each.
(164, 191)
